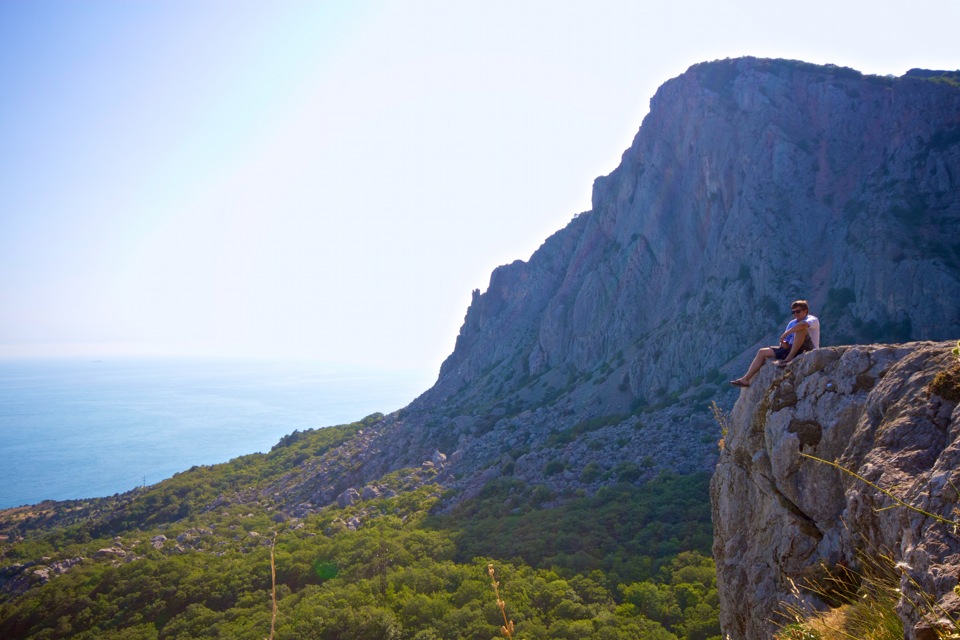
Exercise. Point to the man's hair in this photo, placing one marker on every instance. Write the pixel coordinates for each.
(802, 304)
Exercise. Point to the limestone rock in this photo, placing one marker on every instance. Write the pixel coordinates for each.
(61, 567)
(779, 516)
(348, 498)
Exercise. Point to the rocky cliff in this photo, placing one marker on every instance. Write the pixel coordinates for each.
(783, 521)
(750, 183)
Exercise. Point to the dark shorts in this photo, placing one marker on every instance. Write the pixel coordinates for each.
(782, 352)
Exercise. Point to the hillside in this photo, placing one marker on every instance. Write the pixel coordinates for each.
(194, 556)
(569, 436)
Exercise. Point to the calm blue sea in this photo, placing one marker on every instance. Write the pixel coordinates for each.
(80, 428)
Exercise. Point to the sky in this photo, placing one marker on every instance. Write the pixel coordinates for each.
(331, 179)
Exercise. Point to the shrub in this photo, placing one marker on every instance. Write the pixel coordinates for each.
(554, 467)
(946, 384)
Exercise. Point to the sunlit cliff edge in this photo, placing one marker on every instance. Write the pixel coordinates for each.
(784, 521)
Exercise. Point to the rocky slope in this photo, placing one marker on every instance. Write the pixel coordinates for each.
(782, 520)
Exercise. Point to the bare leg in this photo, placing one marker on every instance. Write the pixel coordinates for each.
(798, 338)
(762, 356)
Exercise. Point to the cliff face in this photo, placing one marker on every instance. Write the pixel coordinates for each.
(781, 519)
(750, 183)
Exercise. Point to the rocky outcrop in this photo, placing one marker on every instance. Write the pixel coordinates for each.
(781, 518)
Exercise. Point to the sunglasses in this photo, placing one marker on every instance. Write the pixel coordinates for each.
(796, 311)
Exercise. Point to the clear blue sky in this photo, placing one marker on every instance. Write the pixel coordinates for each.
(331, 179)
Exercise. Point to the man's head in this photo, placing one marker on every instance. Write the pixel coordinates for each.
(799, 308)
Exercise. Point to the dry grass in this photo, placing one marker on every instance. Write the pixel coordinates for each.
(723, 419)
(862, 604)
(507, 628)
(273, 591)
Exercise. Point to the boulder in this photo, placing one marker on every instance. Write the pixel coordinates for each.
(370, 492)
(348, 498)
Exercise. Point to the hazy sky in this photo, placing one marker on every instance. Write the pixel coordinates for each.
(331, 179)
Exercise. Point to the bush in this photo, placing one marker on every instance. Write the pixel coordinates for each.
(946, 384)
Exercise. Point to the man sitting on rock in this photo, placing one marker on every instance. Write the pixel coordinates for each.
(802, 334)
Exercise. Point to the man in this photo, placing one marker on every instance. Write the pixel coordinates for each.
(802, 334)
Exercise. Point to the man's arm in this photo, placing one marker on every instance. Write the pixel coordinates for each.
(800, 326)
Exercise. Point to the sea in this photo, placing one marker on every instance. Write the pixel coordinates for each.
(80, 428)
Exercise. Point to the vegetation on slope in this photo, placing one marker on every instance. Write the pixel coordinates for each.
(629, 562)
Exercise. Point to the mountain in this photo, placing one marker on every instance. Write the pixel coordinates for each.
(571, 429)
(750, 183)
(839, 476)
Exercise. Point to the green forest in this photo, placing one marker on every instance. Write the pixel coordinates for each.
(179, 560)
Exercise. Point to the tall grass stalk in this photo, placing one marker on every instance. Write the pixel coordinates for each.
(273, 578)
(723, 419)
(941, 519)
(507, 628)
